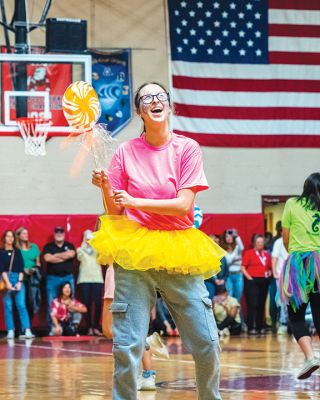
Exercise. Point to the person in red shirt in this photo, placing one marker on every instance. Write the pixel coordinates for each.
(257, 269)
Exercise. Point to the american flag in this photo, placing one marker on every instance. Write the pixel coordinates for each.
(246, 73)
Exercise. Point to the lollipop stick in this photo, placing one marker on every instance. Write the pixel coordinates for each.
(97, 167)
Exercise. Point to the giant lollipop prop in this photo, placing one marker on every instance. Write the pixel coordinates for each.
(82, 110)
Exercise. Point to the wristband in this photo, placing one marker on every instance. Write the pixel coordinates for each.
(20, 281)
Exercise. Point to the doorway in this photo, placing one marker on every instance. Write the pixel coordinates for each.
(272, 207)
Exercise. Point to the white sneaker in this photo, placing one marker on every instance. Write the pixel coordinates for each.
(157, 346)
(226, 332)
(10, 334)
(282, 330)
(27, 335)
(147, 381)
(309, 366)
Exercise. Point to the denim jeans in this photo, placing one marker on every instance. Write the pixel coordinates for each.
(20, 299)
(283, 319)
(234, 285)
(53, 284)
(211, 288)
(274, 309)
(187, 300)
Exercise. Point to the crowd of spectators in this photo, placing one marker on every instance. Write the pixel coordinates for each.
(238, 293)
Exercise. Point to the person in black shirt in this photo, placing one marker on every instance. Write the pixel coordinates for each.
(12, 269)
(59, 256)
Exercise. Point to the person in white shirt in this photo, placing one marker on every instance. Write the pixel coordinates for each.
(279, 255)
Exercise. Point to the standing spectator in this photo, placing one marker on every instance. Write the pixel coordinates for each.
(59, 256)
(300, 275)
(268, 241)
(90, 283)
(278, 228)
(31, 258)
(256, 267)
(12, 268)
(226, 310)
(164, 322)
(232, 243)
(66, 312)
(279, 255)
(221, 277)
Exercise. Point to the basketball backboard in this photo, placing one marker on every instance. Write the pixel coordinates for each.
(32, 85)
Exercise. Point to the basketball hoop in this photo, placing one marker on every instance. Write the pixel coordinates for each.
(34, 132)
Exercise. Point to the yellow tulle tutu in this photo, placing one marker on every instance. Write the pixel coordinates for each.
(134, 247)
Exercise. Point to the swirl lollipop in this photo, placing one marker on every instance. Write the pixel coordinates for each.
(81, 106)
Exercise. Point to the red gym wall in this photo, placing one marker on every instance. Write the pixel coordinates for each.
(41, 227)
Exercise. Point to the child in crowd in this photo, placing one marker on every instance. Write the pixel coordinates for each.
(226, 310)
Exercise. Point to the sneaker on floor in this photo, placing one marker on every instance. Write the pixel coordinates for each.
(309, 366)
(157, 347)
(147, 381)
(282, 330)
(27, 335)
(226, 332)
(10, 334)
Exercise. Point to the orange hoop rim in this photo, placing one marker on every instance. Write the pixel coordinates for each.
(33, 120)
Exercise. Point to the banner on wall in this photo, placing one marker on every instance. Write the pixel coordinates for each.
(111, 79)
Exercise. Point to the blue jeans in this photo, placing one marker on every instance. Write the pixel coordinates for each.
(187, 300)
(274, 309)
(211, 288)
(234, 285)
(20, 299)
(53, 284)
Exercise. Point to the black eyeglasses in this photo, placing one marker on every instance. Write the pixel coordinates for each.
(148, 98)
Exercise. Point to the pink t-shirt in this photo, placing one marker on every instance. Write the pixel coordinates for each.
(158, 172)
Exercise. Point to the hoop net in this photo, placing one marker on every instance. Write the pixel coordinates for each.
(34, 132)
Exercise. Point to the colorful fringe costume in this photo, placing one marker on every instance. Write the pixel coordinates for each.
(300, 276)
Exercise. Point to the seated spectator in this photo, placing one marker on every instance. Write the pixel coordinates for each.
(164, 323)
(32, 276)
(12, 271)
(66, 312)
(90, 283)
(226, 310)
(59, 256)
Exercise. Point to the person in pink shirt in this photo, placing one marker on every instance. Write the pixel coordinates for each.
(148, 233)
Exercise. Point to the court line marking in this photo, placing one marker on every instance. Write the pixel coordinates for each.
(64, 349)
(235, 366)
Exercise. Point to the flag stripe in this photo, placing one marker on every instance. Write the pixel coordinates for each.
(246, 127)
(252, 113)
(283, 57)
(294, 30)
(300, 45)
(253, 141)
(245, 85)
(294, 4)
(295, 17)
(257, 85)
(244, 99)
(230, 71)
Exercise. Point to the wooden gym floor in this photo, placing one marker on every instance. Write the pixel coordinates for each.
(252, 369)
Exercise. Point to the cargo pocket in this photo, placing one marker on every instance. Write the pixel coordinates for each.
(211, 323)
(121, 328)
